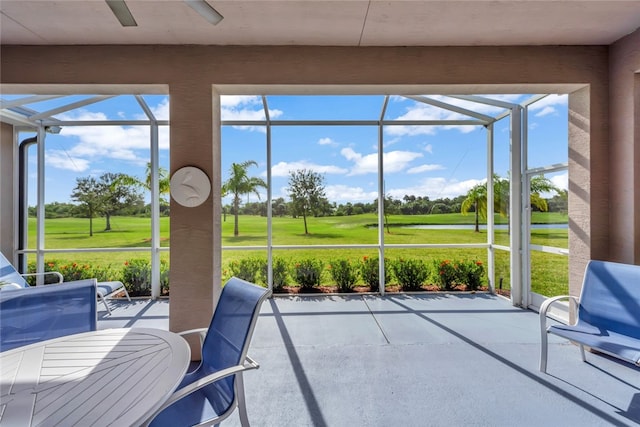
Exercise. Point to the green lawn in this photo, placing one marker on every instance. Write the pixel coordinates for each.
(549, 272)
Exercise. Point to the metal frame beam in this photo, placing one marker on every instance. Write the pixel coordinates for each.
(68, 107)
(482, 117)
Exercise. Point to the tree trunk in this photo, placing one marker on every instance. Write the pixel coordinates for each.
(235, 223)
(304, 216)
(90, 225)
(108, 227)
(477, 223)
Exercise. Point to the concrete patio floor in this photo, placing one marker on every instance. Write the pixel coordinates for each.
(414, 360)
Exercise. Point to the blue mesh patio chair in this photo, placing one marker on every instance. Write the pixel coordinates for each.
(10, 277)
(210, 393)
(29, 315)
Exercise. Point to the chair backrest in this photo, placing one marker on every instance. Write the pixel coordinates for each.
(8, 274)
(40, 313)
(610, 297)
(229, 334)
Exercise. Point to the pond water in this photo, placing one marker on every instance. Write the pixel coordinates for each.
(482, 226)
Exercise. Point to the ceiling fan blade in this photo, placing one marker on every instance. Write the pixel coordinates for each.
(121, 11)
(205, 10)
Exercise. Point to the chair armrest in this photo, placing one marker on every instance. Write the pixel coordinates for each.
(544, 308)
(546, 305)
(204, 381)
(54, 273)
(201, 331)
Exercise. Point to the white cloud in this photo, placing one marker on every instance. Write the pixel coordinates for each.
(283, 168)
(561, 181)
(343, 193)
(245, 107)
(62, 160)
(394, 161)
(388, 143)
(549, 101)
(545, 111)
(160, 111)
(232, 101)
(548, 104)
(327, 141)
(85, 144)
(428, 148)
(422, 111)
(435, 188)
(425, 168)
(109, 142)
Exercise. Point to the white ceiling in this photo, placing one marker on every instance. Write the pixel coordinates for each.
(323, 22)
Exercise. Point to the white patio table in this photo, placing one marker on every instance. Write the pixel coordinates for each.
(115, 377)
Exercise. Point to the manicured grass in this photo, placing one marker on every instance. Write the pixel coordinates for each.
(126, 232)
(549, 272)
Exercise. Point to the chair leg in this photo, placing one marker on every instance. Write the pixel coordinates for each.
(584, 357)
(104, 301)
(242, 407)
(126, 293)
(543, 351)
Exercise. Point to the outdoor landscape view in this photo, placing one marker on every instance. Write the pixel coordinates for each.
(323, 181)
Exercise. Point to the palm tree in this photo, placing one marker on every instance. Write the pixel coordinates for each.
(476, 197)
(240, 183)
(501, 195)
(541, 184)
(163, 180)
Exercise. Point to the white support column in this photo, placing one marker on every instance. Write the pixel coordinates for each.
(155, 212)
(381, 263)
(491, 275)
(40, 206)
(154, 189)
(216, 187)
(526, 214)
(269, 197)
(515, 206)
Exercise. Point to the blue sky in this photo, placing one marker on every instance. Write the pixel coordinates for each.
(433, 161)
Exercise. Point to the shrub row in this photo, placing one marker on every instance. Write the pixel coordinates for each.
(410, 274)
(135, 274)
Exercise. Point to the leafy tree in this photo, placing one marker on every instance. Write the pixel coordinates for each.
(541, 184)
(240, 183)
(255, 208)
(279, 207)
(105, 196)
(324, 208)
(87, 193)
(391, 207)
(163, 182)
(476, 198)
(306, 189)
(348, 209)
(559, 202)
(440, 208)
(501, 195)
(58, 210)
(115, 195)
